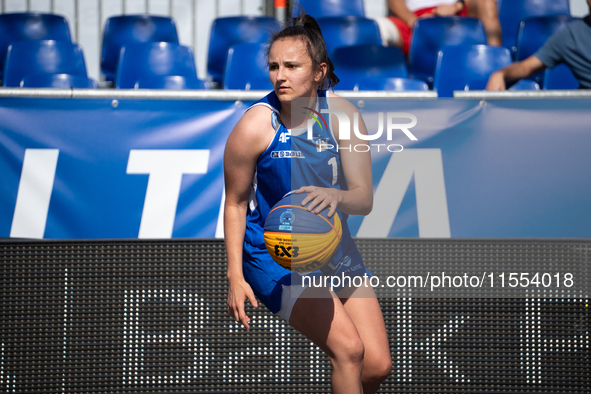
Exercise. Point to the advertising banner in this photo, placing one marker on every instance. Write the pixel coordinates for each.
(103, 168)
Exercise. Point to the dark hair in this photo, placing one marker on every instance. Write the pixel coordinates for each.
(305, 28)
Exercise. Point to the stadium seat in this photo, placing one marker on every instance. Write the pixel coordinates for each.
(348, 30)
(359, 61)
(432, 34)
(59, 81)
(246, 66)
(525, 84)
(47, 57)
(533, 33)
(229, 31)
(390, 84)
(319, 9)
(141, 62)
(30, 26)
(467, 67)
(172, 82)
(123, 30)
(560, 77)
(512, 12)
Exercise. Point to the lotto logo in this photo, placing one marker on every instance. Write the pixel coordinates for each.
(287, 154)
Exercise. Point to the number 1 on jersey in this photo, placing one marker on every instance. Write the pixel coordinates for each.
(335, 170)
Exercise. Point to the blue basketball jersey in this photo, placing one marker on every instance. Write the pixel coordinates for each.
(290, 162)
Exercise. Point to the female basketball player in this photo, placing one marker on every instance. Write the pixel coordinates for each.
(348, 325)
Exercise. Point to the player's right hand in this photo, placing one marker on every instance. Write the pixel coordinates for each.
(239, 291)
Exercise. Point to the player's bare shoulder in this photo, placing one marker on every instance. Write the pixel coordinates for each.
(253, 131)
(341, 104)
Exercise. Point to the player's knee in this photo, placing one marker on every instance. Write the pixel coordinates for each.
(350, 351)
(380, 370)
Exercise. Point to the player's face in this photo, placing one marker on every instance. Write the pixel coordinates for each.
(290, 70)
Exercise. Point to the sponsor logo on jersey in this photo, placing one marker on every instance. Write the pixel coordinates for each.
(321, 143)
(287, 154)
(284, 137)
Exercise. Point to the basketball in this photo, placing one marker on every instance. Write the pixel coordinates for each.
(299, 240)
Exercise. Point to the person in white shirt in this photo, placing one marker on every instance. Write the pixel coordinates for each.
(396, 29)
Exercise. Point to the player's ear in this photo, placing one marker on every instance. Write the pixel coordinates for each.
(321, 72)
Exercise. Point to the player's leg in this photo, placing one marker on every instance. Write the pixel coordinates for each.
(487, 11)
(325, 322)
(363, 308)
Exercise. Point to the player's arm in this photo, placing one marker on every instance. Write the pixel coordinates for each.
(513, 72)
(244, 145)
(399, 9)
(358, 198)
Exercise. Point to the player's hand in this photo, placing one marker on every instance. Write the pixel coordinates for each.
(319, 198)
(239, 290)
(496, 82)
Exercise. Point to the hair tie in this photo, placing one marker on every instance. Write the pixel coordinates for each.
(299, 23)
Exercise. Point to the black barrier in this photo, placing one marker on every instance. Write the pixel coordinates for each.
(150, 316)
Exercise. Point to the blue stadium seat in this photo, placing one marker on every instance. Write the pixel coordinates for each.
(533, 33)
(171, 82)
(467, 67)
(512, 12)
(560, 77)
(322, 8)
(432, 34)
(348, 30)
(59, 81)
(391, 84)
(30, 26)
(359, 61)
(525, 84)
(138, 62)
(46, 57)
(229, 31)
(123, 30)
(246, 67)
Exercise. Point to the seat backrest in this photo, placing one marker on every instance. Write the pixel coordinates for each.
(245, 64)
(347, 31)
(359, 61)
(432, 34)
(525, 84)
(30, 26)
(145, 60)
(533, 33)
(324, 8)
(229, 31)
(172, 82)
(59, 81)
(123, 30)
(392, 84)
(512, 12)
(560, 77)
(467, 67)
(45, 56)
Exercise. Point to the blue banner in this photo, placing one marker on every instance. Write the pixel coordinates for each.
(85, 168)
(96, 168)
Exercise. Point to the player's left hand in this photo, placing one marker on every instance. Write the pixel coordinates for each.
(319, 198)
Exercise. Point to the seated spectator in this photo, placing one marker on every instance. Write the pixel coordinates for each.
(571, 46)
(396, 30)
